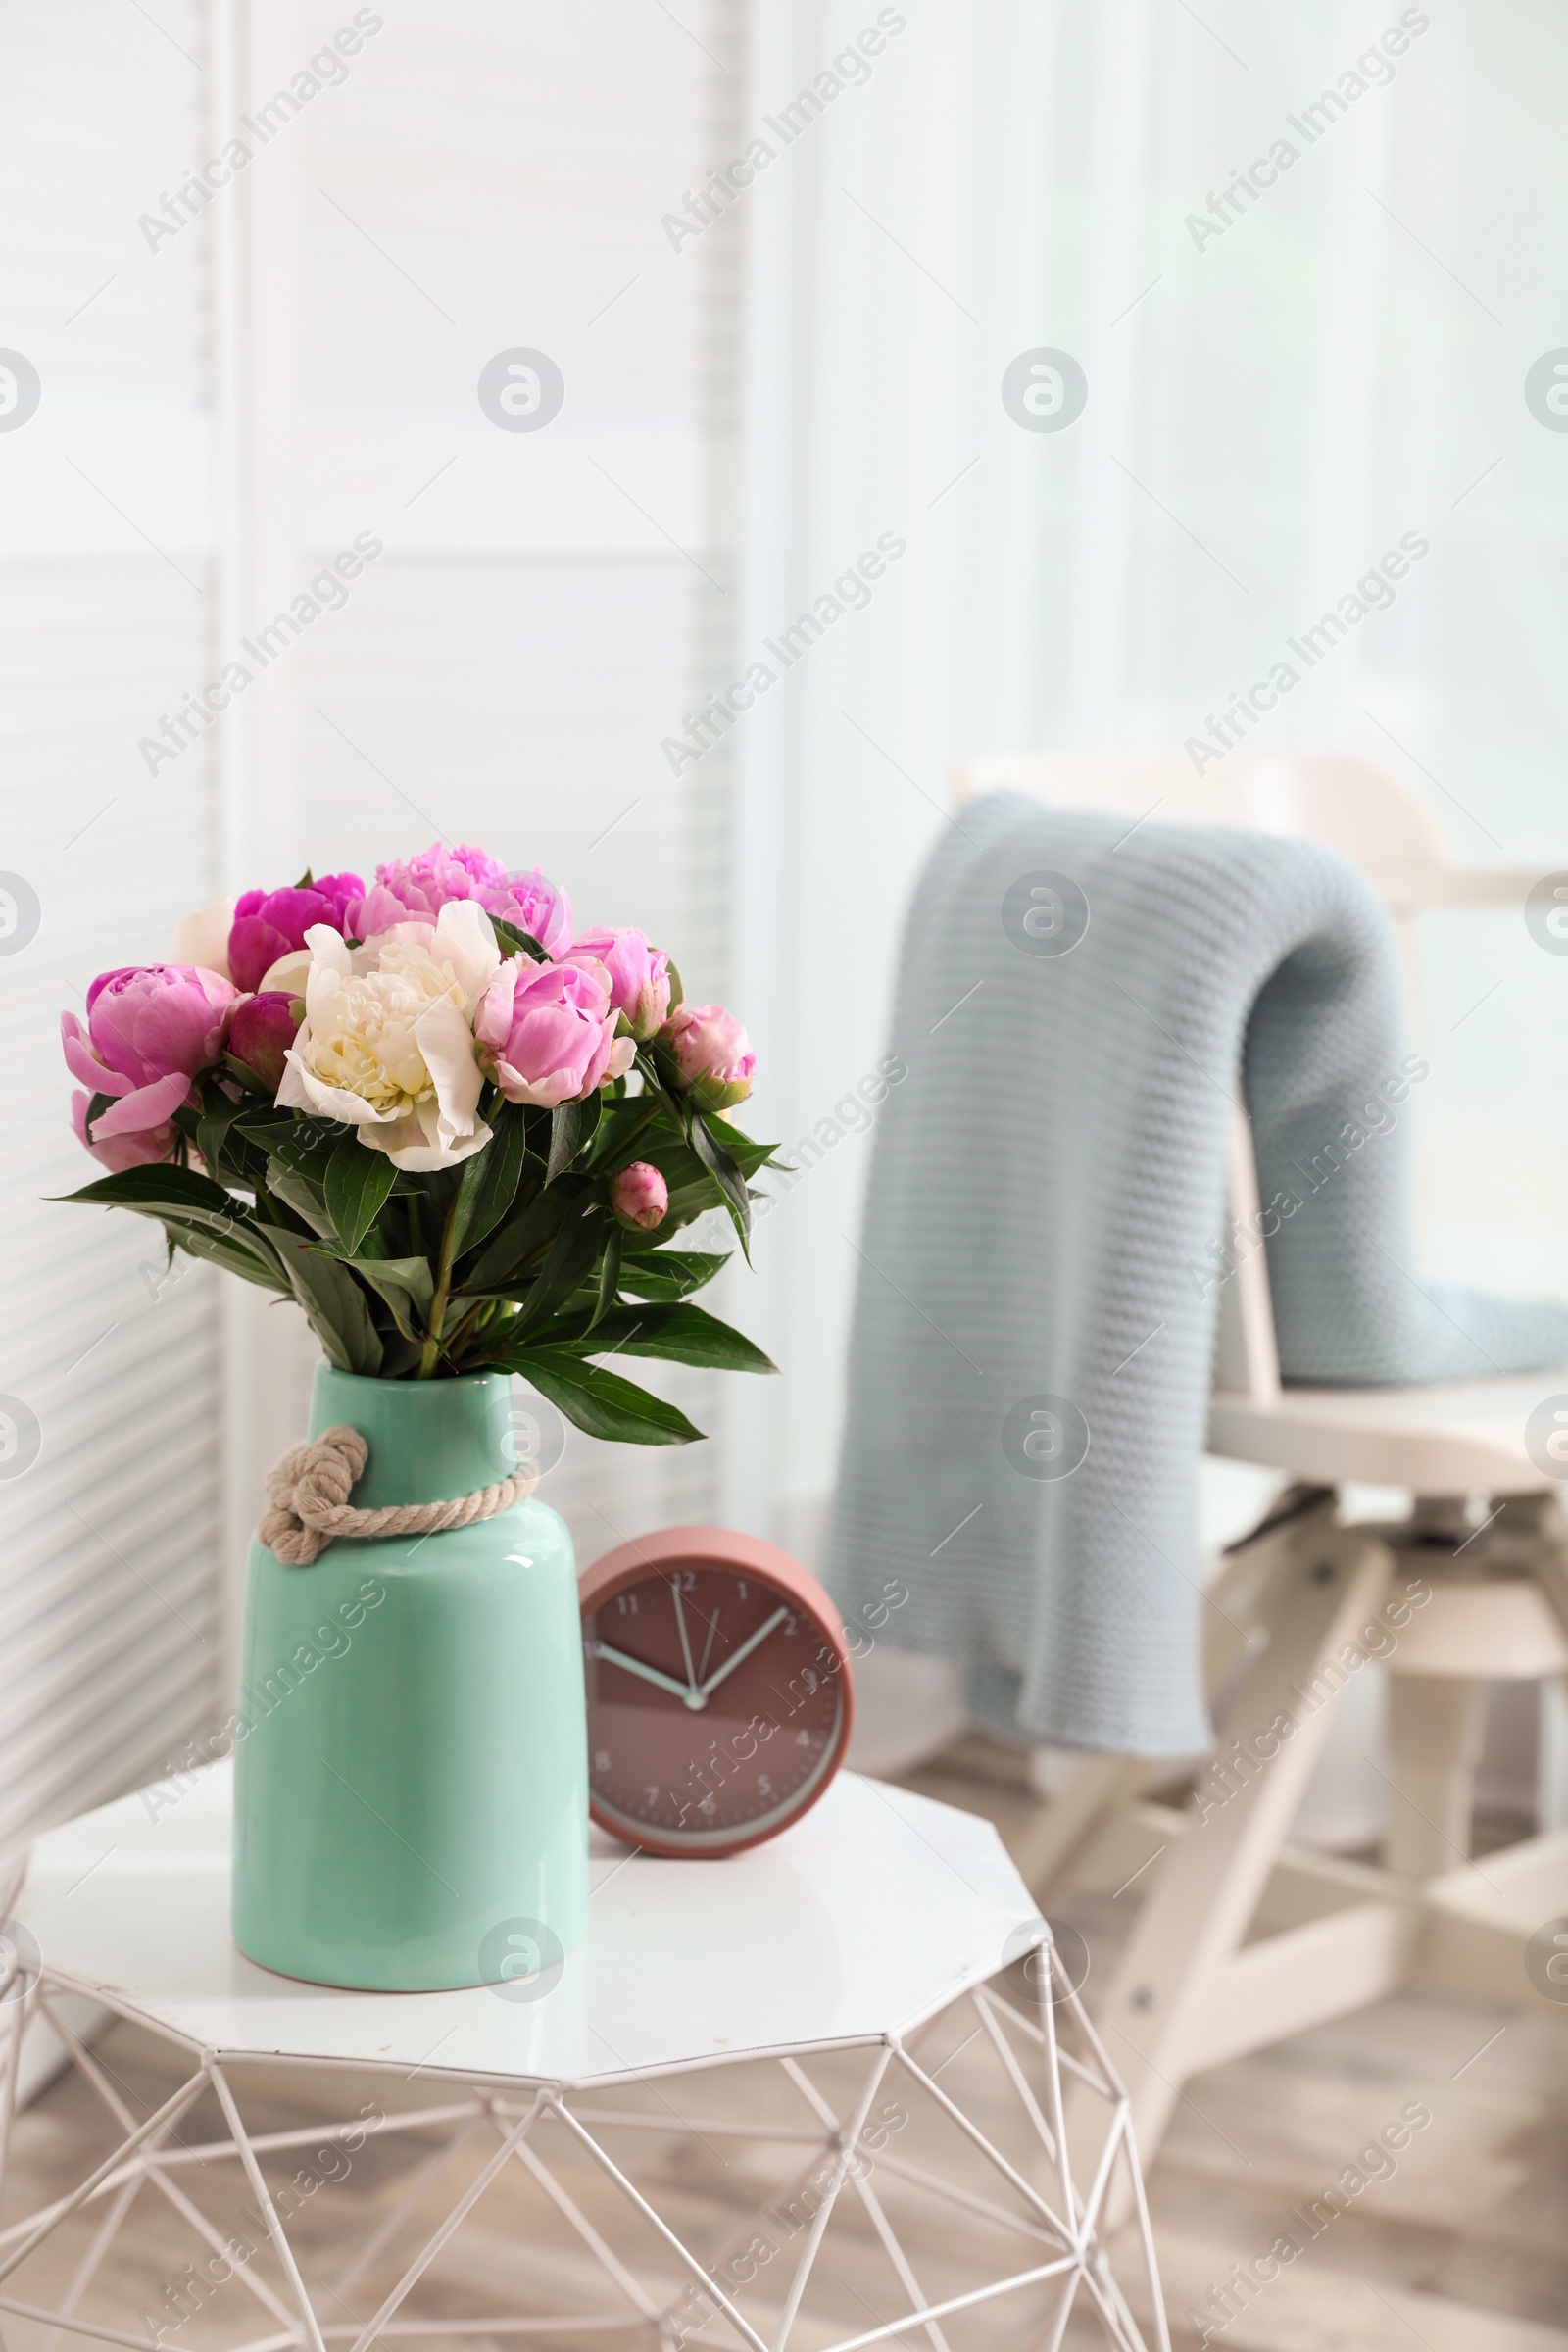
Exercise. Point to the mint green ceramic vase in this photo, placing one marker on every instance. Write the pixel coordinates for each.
(410, 1749)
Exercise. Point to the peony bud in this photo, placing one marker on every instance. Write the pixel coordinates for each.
(712, 1054)
(640, 1196)
(638, 976)
(262, 1030)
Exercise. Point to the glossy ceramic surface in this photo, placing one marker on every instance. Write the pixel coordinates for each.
(411, 1762)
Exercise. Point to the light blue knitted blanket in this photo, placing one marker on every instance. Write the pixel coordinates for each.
(1045, 1240)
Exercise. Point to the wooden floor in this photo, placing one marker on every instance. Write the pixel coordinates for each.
(1463, 2248)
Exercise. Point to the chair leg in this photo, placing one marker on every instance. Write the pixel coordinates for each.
(1237, 1602)
(1436, 1725)
(1058, 1834)
(1198, 1912)
(1541, 1518)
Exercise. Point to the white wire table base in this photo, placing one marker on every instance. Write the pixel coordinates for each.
(851, 2184)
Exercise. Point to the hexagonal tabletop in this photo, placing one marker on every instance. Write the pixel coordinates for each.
(877, 1908)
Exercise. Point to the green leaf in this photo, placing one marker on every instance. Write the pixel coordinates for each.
(679, 1335)
(400, 1355)
(624, 1124)
(404, 1282)
(195, 1213)
(514, 940)
(243, 1253)
(490, 1178)
(164, 1186)
(671, 1274)
(304, 1195)
(608, 1274)
(359, 1179)
(573, 1253)
(333, 1303)
(214, 1126)
(601, 1402)
(717, 1160)
(305, 1146)
(571, 1127)
(748, 1156)
(529, 1231)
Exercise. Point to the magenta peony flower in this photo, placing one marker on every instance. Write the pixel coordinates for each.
(640, 1196)
(712, 1053)
(151, 1028)
(270, 923)
(261, 1031)
(639, 976)
(415, 889)
(546, 1032)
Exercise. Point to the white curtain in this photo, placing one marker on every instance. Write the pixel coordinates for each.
(1283, 381)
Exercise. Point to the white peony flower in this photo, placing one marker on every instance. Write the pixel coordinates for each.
(388, 1039)
(202, 937)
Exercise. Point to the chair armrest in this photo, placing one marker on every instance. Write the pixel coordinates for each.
(1404, 888)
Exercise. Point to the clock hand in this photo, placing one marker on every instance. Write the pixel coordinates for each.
(707, 1645)
(736, 1656)
(650, 1674)
(685, 1638)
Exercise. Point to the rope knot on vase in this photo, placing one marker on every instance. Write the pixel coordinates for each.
(309, 1488)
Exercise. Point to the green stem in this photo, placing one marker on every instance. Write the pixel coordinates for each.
(453, 1348)
(438, 1304)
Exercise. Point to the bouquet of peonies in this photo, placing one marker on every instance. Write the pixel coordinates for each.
(460, 1137)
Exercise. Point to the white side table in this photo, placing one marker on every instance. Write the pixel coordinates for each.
(860, 1939)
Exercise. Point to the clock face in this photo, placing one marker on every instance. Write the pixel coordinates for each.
(718, 1691)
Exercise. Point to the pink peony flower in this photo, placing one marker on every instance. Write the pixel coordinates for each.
(415, 889)
(546, 1032)
(712, 1053)
(639, 976)
(124, 1152)
(270, 923)
(640, 1196)
(536, 907)
(261, 1031)
(151, 1029)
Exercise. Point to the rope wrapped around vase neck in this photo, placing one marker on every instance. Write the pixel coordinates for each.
(309, 1490)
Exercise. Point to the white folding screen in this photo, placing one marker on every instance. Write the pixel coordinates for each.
(110, 1441)
(299, 232)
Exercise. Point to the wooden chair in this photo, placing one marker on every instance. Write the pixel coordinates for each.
(1244, 1938)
